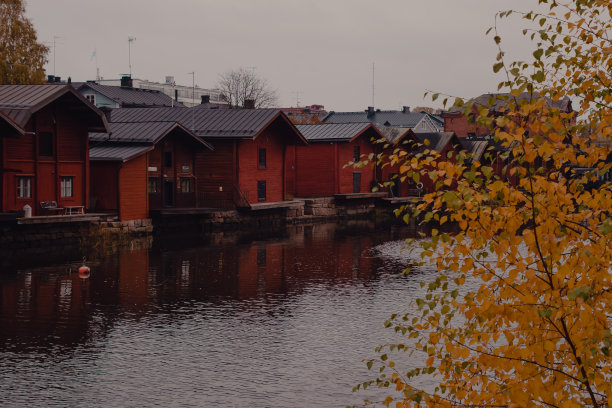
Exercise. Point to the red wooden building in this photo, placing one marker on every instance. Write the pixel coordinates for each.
(322, 166)
(142, 167)
(249, 164)
(44, 156)
(412, 143)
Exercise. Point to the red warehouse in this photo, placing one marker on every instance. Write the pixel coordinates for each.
(142, 167)
(249, 164)
(47, 159)
(322, 167)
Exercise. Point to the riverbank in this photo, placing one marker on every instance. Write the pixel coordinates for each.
(69, 236)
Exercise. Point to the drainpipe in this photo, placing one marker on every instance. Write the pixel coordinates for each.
(119, 189)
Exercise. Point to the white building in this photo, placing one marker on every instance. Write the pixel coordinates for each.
(187, 95)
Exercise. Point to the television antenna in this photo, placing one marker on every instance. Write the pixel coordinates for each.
(130, 41)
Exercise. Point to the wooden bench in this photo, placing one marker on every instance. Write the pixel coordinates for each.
(74, 209)
(50, 207)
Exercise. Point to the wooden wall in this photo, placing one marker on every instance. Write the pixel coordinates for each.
(20, 157)
(103, 181)
(215, 175)
(133, 189)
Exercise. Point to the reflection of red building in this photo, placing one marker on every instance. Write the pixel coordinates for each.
(321, 166)
(48, 160)
(142, 167)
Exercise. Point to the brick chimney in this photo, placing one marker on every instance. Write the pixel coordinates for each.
(406, 109)
(205, 99)
(370, 111)
(249, 104)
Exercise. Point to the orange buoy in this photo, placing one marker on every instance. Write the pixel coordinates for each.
(84, 271)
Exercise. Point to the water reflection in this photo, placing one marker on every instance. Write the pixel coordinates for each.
(275, 322)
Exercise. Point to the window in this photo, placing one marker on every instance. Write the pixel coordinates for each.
(356, 153)
(261, 190)
(168, 159)
(66, 186)
(261, 158)
(24, 187)
(356, 182)
(186, 185)
(45, 144)
(91, 98)
(153, 185)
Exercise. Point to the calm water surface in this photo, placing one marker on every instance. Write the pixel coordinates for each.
(282, 322)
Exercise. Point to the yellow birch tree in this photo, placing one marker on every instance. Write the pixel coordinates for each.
(536, 330)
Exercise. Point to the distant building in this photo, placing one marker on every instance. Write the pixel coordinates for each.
(124, 96)
(415, 121)
(307, 114)
(185, 94)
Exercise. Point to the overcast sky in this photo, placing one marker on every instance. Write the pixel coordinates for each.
(318, 50)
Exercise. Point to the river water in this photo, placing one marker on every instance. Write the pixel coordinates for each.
(277, 322)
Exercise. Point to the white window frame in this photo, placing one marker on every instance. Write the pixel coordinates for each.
(66, 186)
(91, 98)
(24, 187)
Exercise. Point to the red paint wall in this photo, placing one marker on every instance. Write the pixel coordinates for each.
(70, 158)
(249, 173)
(316, 170)
(133, 189)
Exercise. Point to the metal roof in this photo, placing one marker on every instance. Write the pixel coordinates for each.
(341, 132)
(19, 102)
(436, 140)
(476, 148)
(148, 132)
(385, 118)
(127, 97)
(208, 123)
(121, 153)
(7, 123)
(499, 101)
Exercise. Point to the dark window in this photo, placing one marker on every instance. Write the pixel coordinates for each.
(356, 154)
(261, 159)
(261, 190)
(45, 144)
(168, 193)
(153, 185)
(168, 159)
(356, 182)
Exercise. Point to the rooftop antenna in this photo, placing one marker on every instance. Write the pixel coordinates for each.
(130, 41)
(55, 38)
(297, 98)
(192, 101)
(94, 54)
(373, 85)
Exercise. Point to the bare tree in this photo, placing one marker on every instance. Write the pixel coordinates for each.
(242, 88)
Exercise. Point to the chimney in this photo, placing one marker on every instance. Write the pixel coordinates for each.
(249, 104)
(205, 99)
(176, 95)
(58, 79)
(406, 109)
(50, 78)
(126, 81)
(370, 111)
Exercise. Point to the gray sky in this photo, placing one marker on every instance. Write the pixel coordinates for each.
(323, 49)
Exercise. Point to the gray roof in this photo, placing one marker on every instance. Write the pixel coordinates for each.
(499, 101)
(340, 132)
(121, 153)
(208, 123)
(435, 140)
(394, 134)
(476, 148)
(19, 102)
(132, 97)
(149, 132)
(385, 118)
